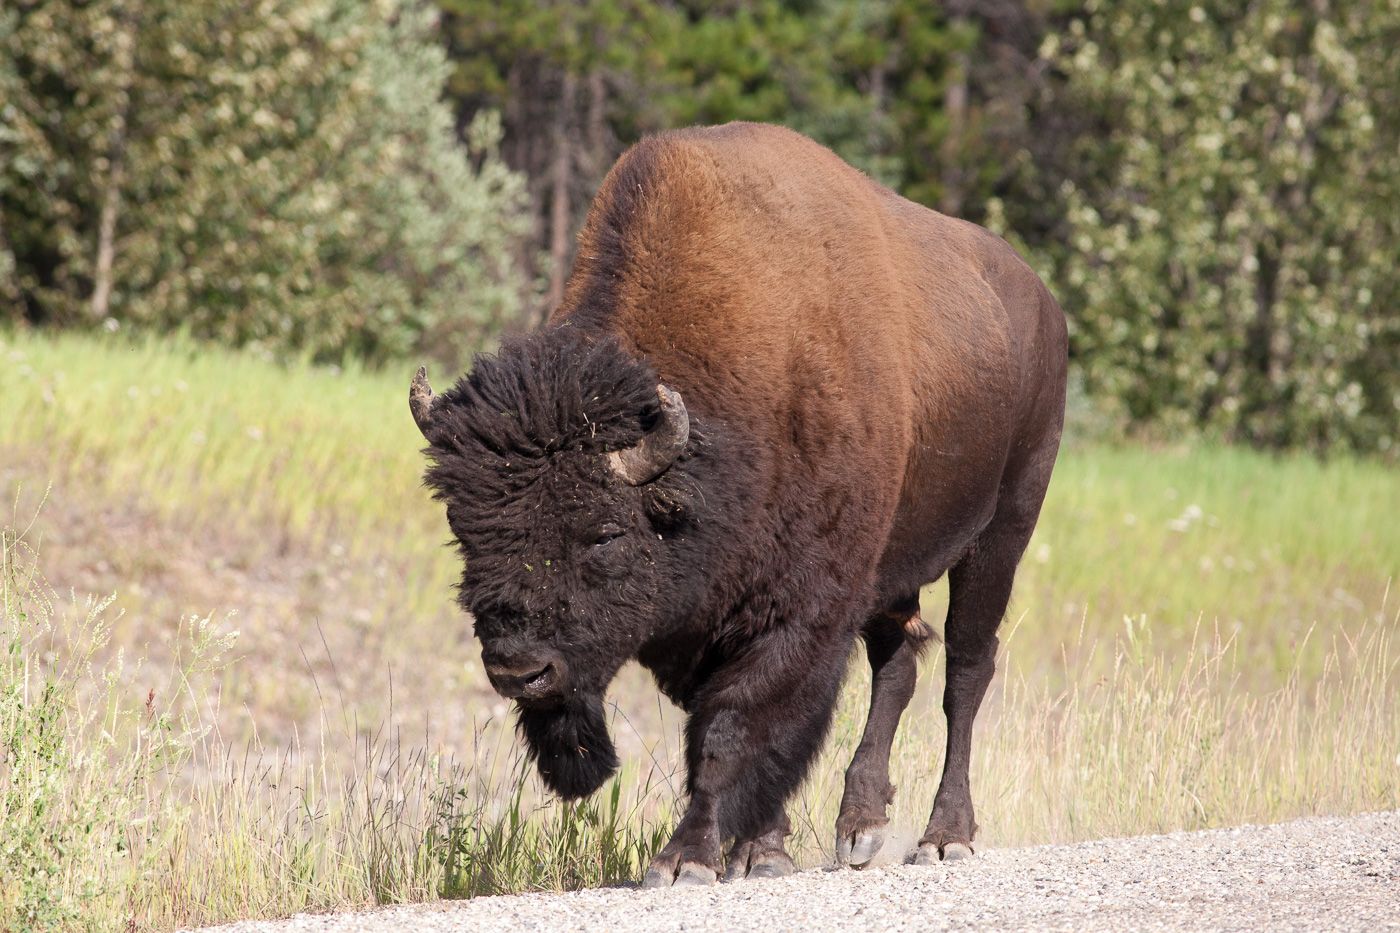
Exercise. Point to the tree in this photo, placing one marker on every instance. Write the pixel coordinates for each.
(1233, 232)
(282, 174)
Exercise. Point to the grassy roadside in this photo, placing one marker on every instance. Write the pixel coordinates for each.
(1199, 637)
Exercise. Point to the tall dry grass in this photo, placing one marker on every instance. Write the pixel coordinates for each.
(118, 810)
(1142, 741)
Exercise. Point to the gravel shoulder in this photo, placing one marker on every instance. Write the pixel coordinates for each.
(1318, 873)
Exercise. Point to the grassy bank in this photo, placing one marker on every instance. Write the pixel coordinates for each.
(1198, 637)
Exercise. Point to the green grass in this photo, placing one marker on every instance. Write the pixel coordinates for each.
(1199, 636)
(222, 437)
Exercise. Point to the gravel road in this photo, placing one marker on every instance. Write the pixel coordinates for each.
(1320, 873)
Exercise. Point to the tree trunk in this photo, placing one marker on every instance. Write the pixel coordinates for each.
(519, 148)
(599, 155)
(955, 106)
(875, 135)
(124, 61)
(12, 303)
(560, 215)
(106, 232)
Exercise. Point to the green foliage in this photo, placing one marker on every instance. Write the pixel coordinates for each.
(1230, 257)
(487, 38)
(903, 54)
(553, 846)
(280, 174)
(776, 61)
(1212, 188)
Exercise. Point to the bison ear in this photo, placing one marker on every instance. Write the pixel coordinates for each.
(647, 459)
(422, 401)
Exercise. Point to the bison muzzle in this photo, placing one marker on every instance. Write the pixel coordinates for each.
(776, 400)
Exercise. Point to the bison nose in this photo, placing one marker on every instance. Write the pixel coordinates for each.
(535, 681)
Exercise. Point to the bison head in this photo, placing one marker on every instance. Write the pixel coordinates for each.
(562, 465)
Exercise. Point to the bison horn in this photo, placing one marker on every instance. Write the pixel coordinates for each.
(421, 400)
(658, 449)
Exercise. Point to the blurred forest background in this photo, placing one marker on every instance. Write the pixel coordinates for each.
(1212, 187)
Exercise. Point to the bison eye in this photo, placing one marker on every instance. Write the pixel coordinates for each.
(607, 534)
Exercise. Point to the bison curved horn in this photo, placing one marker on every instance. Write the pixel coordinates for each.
(421, 400)
(658, 449)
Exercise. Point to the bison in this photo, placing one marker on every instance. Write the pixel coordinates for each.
(775, 401)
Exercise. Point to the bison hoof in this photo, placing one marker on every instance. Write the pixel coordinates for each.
(689, 875)
(692, 875)
(856, 851)
(771, 865)
(748, 861)
(956, 851)
(930, 854)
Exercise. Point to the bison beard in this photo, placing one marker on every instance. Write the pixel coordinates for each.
(570, 745)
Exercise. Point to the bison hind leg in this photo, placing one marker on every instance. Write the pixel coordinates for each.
(979, 588)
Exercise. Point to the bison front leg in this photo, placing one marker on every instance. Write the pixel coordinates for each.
(692, 857)
(753, 732)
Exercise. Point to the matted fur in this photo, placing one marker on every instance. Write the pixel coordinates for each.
(534, 398)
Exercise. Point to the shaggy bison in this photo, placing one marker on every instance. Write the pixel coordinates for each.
(776, 400)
